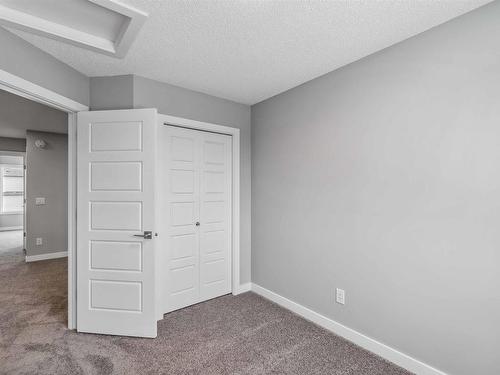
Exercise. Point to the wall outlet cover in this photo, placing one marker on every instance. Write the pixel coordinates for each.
(39, 241)
(340, 296)
(39, 201)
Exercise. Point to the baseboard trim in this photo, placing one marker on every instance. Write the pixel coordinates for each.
(35, 258)
(242, 288)
(374, 346)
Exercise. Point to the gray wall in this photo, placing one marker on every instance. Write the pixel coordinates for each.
(47, 176)
(12, 144)
(22, 59)
(111, 93)
(8, 221)
(383, 178)
(116, 92)
(18, 114)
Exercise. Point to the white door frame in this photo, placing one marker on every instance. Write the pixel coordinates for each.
(21, 87)
(236, 287)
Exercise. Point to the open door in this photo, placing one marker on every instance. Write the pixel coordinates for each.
(116, 222)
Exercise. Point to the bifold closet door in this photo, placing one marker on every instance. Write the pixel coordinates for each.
(195, 181)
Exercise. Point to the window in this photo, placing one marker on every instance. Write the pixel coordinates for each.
(12, 190)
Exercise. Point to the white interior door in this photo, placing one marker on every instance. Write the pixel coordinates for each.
(195, 173)
(116, 205)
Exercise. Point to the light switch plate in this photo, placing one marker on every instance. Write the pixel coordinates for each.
(39, 241)
(39, 201)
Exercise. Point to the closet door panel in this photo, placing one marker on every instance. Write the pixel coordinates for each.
(181, 188)
(215, 216)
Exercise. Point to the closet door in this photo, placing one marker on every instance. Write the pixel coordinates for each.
(215, 215)
(180, 215)
(196, 215)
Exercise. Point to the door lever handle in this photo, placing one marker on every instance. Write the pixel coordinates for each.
(147, 235)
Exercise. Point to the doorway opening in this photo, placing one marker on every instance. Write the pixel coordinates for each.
(33, 210)
(10, 83)
(11, 205)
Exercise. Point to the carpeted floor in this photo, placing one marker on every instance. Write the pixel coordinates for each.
(229, 335)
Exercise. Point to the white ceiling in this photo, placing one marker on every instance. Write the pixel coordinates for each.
(248, 51)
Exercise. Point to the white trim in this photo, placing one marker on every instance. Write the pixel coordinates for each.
(72, 189)
(21, 87)
(374, 346)
(235, 225)
(244, 288)
(118, 47)
(36, 258)
(5, 229)
(136, 17)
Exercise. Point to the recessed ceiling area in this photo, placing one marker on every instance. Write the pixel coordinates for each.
(104, 26)
(248, 51)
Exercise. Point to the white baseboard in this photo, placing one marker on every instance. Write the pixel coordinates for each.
(34, 258)
(384, 351)
(242, 288)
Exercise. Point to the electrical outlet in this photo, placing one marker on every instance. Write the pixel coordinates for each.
(39, 201)
(39, 241)
(340, 296)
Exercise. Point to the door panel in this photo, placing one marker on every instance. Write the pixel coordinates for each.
(215, 215)
(180, 205)
(112, 255)
(116, 176)
(116, 135)
(116, 202)
(196, 184)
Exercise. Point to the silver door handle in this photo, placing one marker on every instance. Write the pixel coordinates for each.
(147, 235)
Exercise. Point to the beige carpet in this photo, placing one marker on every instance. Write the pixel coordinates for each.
(229, 335)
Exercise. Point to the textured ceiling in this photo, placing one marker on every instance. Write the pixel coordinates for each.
(248, 51)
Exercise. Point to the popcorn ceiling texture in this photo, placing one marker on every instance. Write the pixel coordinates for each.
(248, 51)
